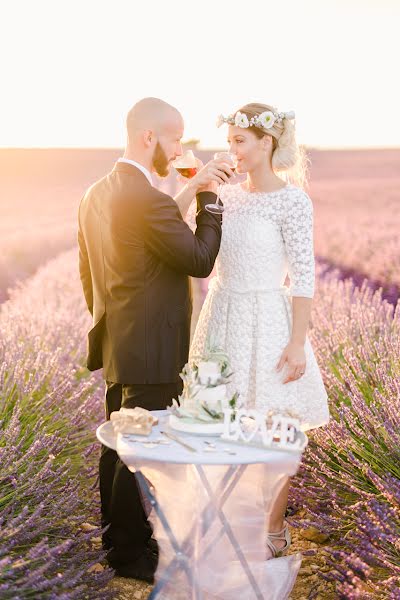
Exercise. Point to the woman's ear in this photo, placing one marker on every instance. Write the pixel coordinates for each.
(267, 142)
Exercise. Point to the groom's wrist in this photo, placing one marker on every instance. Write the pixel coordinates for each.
(195, 188)
(204, 198)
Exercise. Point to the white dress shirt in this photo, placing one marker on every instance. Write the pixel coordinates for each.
(138, 166)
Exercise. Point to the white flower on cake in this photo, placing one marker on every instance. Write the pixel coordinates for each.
(204, 398)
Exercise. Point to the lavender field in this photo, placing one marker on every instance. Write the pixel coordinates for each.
(39, 195)
(48, 455)
(345, 500)
(357, 198)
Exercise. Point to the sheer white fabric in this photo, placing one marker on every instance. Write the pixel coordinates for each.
(217, 568)
(217, 514)
(248, 309)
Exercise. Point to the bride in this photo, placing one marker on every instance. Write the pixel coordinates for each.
(267, 234)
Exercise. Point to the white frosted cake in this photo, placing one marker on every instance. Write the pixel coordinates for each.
(206, 408)
(199, 409)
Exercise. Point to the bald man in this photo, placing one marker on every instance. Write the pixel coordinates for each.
(136, 254)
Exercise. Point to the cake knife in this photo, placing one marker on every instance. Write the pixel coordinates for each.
(179, 441)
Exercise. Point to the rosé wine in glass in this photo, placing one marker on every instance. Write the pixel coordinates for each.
(186, 164)
(231, 159)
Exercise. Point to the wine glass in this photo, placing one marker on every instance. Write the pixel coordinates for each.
(231, 159)
(186, 164)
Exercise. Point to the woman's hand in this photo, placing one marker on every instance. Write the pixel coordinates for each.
(211, 175)
(295, 357)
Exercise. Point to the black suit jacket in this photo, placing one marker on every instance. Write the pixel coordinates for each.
(135, 256)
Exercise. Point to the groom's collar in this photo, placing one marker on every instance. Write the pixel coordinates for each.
(122, 162)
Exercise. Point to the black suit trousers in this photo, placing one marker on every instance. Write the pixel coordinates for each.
(121, 501)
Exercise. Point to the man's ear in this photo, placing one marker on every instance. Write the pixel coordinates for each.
(148, 136)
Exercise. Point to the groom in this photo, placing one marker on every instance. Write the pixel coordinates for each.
(135, 255)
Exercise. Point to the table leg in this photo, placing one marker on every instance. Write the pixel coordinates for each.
(181, 558)
(184, 551)
(226, 528)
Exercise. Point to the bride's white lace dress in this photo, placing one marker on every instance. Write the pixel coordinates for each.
(248, 310)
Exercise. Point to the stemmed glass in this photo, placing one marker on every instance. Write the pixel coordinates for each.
(231, 159)
(186, 164)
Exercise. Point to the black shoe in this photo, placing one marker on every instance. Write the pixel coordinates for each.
(143, 568)
(152, 545)
(106, 543)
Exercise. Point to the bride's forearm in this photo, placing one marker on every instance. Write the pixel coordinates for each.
(184, 198)
(301, 318)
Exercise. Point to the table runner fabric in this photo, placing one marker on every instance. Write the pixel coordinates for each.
(217, 508)
(183, 498)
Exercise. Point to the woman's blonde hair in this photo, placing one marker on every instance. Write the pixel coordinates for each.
(288, 158)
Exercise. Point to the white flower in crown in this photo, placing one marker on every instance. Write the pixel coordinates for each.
(290, 115)
(220, 120)
(241, 120)
(266, 119)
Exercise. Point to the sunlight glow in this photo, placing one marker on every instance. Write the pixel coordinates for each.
(71, 69)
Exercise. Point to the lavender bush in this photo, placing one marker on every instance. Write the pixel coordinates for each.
(349, 482)
(24, 248)
(357, 224)
(49, 409)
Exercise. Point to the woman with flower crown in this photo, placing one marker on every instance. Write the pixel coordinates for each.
(267, 234)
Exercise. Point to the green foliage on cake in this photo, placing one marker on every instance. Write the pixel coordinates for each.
(205, 394)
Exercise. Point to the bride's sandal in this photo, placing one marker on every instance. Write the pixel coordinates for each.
(277, 536)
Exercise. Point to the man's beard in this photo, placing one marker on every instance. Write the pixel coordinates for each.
(160, 161)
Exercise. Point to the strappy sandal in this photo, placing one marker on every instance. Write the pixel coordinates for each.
(283, 536)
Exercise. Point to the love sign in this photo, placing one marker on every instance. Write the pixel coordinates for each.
(250, 426)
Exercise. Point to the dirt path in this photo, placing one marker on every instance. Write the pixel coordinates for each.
(308, 582)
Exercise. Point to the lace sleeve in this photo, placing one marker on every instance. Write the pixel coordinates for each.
(191, 215)
(297, 231)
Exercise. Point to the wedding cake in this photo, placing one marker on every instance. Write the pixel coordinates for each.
(206, 408)
(200, 408)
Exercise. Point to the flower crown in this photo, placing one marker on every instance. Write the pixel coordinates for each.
(265, 120)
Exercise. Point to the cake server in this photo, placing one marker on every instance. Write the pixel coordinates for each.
(179, 441)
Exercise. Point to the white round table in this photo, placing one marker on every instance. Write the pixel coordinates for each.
(209, 508)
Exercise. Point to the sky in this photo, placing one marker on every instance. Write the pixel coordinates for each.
(71, 69)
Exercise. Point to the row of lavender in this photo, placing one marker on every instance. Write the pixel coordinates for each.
(349, 482)
(49, 408)
(356, 229)
(24, 249)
